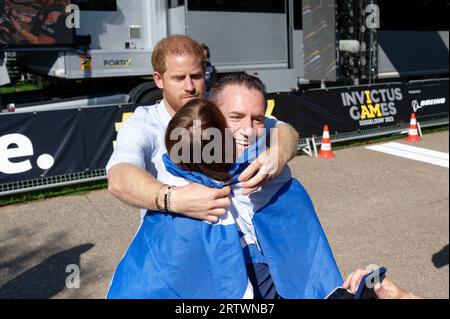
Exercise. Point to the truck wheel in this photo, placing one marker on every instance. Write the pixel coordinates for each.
(151, 97)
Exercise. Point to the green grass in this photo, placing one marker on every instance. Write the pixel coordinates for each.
(79, 189)
(19, 87)
(89, 187)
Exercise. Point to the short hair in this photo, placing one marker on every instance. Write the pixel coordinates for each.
(240, 79)
(206, 48)
(209, 116)
(175, 45)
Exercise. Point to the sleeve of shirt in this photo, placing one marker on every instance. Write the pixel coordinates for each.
(135, 142)
(271, 123)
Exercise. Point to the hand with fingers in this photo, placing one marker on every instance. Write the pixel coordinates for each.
(16, 24)
(387, 289)
(265, 168)
(201, 202)
(353, 280)
(21, 17)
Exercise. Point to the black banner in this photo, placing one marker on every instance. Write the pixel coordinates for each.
(360, 108)
(53, 143)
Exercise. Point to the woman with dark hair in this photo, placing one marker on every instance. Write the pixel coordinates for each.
(175, 257)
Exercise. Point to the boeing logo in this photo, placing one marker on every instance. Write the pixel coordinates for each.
(417, 106)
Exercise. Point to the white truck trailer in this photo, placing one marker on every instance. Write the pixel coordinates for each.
(287, 43)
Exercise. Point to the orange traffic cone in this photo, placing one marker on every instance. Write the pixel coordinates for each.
(413, 134)
(325, 150)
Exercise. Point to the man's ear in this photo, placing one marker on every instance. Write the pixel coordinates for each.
(158, 80)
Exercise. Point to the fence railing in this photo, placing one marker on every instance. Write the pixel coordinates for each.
(50, 182)
(306, 145)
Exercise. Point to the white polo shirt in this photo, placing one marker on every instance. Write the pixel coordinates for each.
(140, 142)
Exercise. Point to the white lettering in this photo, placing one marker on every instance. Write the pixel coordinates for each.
(373, 19)
(23, 148)
(73, 19)
(73, 280)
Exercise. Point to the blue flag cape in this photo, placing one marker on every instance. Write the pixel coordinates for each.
(174, 257)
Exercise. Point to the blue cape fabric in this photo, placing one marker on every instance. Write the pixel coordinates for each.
(177, 257)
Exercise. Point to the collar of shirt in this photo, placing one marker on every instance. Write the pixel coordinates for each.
(163, 113)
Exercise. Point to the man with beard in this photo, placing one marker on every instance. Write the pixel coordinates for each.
(179, 70)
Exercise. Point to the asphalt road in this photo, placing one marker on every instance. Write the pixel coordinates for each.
(375, 209)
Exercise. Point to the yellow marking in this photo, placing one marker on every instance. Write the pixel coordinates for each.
(365, 113)
(125, 117)
(376, 110)
(369, 100)
(86, 62)
(270, 108)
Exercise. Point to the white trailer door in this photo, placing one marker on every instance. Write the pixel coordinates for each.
(242, 35)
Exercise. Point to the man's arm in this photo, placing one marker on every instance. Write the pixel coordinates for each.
(288, 139)
(31, 38)
(272, 162)
(21, 17)
(135, 186)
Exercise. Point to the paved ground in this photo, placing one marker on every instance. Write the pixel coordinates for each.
(375, 208)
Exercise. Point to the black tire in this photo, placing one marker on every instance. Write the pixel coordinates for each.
(151, 97)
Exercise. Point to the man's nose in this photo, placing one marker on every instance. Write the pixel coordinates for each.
(247, 128)
(189, 85)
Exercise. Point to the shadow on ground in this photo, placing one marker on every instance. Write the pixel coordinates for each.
(44, 280)
(440, 259)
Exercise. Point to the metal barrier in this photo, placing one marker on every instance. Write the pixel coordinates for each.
(49, 182)
(306, 145)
